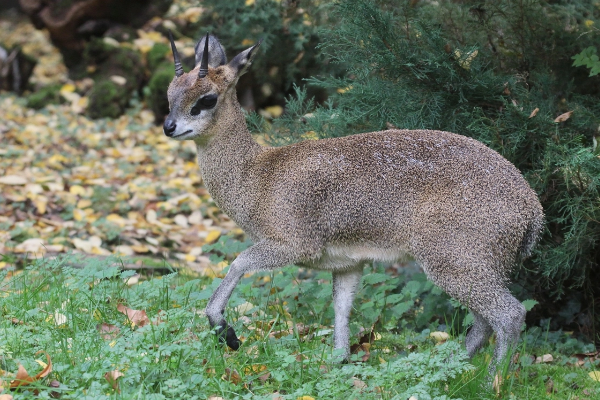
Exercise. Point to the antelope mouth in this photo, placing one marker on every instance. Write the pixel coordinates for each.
(182, 134)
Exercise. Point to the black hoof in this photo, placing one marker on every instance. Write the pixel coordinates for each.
(226, 334)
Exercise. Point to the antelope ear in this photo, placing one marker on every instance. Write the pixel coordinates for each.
(242, 61)
(216, 52)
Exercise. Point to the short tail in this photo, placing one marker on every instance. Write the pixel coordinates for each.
(533, 232)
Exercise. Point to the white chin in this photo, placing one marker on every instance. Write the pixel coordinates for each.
(187, 135)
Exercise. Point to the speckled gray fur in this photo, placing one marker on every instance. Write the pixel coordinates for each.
(462, 210)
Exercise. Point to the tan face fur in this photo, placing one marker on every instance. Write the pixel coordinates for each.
(194, 100)
(185, 91)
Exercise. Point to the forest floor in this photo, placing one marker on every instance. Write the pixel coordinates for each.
(101, 187)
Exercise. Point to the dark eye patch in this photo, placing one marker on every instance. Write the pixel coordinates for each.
(204, 103)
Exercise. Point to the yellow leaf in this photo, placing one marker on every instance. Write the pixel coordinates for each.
(140, 248)
(190, 257)
(40, 204)
(589, 23)
(595, 375)
(439, 337)
(67, 88)
(76, 189)
(305, 398)
(310, 135)
(78, 214)
(274, 111)
(248, 4)
(213, 236)
(84, 203)
(116, 219)
(248, 42)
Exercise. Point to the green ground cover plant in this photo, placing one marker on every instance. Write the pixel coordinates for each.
(108, 336)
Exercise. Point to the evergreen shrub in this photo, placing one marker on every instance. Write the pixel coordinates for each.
(289, 34)
(501, 72)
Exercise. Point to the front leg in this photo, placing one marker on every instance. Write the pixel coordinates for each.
(344, 289)
(260, 257)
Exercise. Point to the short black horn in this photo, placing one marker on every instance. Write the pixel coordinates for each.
(204, 63)
(178, 67)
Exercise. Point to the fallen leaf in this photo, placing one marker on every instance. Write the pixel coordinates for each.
(439, 337)
(59, 319)
(358, 384)
(132, 280)
(595, 375)
(137, 317)
(13, 180)
(497, 384)
(118, 79)
(5, 397)
(563, 117)
(112, 377)
(550, 386)
(534, 112)
(31, 245)
(107, 331)
(364, 347)
(546, 358)
(212, 236)
(232, 376)
(22, 378)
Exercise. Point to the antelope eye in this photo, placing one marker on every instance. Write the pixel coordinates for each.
(204, 103)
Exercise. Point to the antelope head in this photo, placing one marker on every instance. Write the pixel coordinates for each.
(198, 97)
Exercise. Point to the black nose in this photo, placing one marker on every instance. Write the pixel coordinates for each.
(169, 127)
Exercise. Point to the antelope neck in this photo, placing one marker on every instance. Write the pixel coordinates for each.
(224, 160)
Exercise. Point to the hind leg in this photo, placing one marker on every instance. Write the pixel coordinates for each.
(478, 335)
(484, 293)
(506, 318)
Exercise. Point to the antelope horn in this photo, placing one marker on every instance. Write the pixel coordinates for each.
(204, 63)
(178, 67)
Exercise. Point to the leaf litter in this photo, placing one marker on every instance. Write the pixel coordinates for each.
(98, 187)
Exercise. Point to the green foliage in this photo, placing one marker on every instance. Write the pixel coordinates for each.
(157, 55)
(289, 33)
(479, 69)
(59, 306)
(106, 100)
(109, 99)
(47, 95)
(589, 58)
(157, 87)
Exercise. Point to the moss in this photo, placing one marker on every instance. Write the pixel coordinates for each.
(156, 91)
(157, 55)
(107, 99)
(46, 95)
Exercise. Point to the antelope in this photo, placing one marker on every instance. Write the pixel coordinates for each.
(460, 209)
